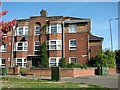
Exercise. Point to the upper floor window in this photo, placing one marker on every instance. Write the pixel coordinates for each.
(37, 30)
(55, 28)
(72, 60)
(54, 44)
(3, 48)
(21, 46)
(72, 44)
(72, 28)
(37, 46)
(2, 62)
(22, 30)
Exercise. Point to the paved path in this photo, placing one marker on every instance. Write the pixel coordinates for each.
(105, 81)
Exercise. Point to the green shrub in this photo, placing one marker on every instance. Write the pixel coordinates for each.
(3, 71)
(22, 71)
(74, 65)
(44, 56)
(105, 59)
(62, 62)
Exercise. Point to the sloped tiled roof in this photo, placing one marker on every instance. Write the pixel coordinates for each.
(95, 38)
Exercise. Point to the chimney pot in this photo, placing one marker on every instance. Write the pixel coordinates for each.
(43, 13)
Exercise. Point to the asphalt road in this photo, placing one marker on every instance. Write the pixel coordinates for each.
(110, 81)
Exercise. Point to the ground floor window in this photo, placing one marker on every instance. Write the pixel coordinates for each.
(22, 62)
(72, 60)
(2, 62)
(54, 61)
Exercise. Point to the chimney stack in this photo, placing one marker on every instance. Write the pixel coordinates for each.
(43, 13)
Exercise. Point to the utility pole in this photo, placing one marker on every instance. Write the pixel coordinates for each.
(110, 20)
(111, 35)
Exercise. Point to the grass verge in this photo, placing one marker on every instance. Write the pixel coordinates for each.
(27, 83)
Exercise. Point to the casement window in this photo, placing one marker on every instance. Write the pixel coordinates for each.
(54, 61)
(2, 62)
(72, 28)
(36, 46)
(22, 31)
(55, 28)
(21, 46)
(3, 48)
(37, 30)
(22, 62)
(72, 44)
(54, 44)
(72, 60)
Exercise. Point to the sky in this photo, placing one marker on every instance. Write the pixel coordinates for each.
(98, 12)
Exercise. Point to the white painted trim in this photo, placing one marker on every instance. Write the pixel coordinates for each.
(37, 45)
(70, 59)
(72, 46)
(72, 26)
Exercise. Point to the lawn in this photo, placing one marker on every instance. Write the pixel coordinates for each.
(27, 83)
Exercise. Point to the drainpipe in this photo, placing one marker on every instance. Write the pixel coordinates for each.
(12, 46)
(88, 49)
(63, 54)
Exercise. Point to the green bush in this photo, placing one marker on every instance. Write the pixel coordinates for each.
(22, 71)
(44, 56)
(74, 65)
(55, 74)
(105, 59)
(62, 62)
(3, 71)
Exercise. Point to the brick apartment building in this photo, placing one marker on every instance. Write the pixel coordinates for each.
(68, 37)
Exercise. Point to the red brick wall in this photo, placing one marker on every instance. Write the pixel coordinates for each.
(41, 72)
(65, 72)
(82, 47)
(84, 72)
(95, 48)
(10, 70)
(112, 71)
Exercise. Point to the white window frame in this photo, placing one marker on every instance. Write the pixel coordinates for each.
(57, 61)
(24, 31)
(24, 63)
(75, 47)
(24, 47)
(57, 45)
(36, 45)
(3, 48)
(58, 29)
(71, 58)
(1, 64)
(37, 30)
(74, 28)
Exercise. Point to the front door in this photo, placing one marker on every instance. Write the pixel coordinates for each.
(36, 62)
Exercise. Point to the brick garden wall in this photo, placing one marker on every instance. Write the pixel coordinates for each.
(65, 72)
(112, 71)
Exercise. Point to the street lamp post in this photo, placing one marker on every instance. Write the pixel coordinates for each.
(110, 20)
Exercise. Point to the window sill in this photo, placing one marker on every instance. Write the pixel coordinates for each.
(72, 49)
(54, 50)
(3, 51)
(36, 34)
(20, 51)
